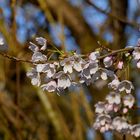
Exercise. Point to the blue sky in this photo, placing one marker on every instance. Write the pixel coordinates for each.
(29, 19)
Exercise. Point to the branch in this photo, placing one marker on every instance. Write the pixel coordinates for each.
(31, 62)
(15, 58)
(116, 51)
(124, 20)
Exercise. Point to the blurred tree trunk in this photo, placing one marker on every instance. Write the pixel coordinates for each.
(73, 19)
(119, 8)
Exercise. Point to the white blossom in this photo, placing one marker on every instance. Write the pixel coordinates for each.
(33, 47)
(1, 41)
(93, 67)
(67, 64)
(38, 57)
(138, 64)
(114, 84)
(35, 77)
(104, 76)
(120, 124)
(50, 86)
(103, 123)
(126, 86)
(108, 61)
(40, 67)
(78, 62)
(135, 130)
(63, 80)
(128, 100)
(100, 107)
(43, 42)
(113, 98)
(94, 55)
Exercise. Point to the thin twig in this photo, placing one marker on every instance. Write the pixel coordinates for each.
(15, 58)
(116, 51)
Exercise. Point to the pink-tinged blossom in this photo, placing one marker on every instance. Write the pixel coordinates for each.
(128, 100)
(125, 110)
(103, 123)
(94, 55)
(108, 61)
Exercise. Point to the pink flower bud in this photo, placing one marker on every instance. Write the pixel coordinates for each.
(116, 108)
(120, 65)
(125, 110)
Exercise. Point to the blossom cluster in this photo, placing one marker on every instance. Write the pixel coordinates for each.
(59, 75)
(74, 69)
(113, 113)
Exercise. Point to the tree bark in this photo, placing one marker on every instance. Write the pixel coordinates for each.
(119, 8)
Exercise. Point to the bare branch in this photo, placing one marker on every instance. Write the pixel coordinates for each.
(31, 62)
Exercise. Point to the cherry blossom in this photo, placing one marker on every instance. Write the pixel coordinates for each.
(67, 64)
(126, 86)
(38, 57)
(128, 100)
(35, 77)
(135, 130)
(94, 55)
(113, 113)
(113, 98)
(103, 123)
(120, 65)
(50, 86)
(100, 107)
(120, 125)
(108, 61)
